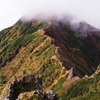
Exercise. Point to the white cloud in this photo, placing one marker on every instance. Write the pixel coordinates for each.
(12, 10)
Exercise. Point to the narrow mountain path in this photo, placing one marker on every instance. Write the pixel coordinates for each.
(56, 80)
(61, 72)
(37, 48)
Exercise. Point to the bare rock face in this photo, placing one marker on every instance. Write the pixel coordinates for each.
(71, 73)
(71, 76)
(8, 92)
(11, 87)
(49, 95)
(85, 77)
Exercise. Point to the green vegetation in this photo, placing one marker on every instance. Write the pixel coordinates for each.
(3, 80)
(24, 50)
(27, 53)
(50, 70)
(84, 89)
(58, 86)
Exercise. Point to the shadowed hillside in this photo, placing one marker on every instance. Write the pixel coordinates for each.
(76, 50)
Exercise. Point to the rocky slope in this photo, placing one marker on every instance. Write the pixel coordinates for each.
(56, 51)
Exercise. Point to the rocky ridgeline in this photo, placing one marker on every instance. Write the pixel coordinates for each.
(94, 74)
(11, 89)
(71, 75)
(49, 95)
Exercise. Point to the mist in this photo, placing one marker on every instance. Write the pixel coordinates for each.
(13, 10)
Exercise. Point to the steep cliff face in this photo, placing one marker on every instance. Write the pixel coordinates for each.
(49, 49)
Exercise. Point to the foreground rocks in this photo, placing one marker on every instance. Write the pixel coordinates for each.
(11, 89)
(49, 95)
(30, 82)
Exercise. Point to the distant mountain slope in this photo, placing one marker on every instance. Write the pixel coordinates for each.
(75, 49)
(49, 49)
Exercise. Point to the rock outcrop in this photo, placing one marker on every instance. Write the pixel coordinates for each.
(71, 73)
(11, 89)
(49, 95)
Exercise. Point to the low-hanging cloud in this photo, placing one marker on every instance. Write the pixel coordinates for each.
(12, 10)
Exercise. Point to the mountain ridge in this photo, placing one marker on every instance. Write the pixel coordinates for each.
(44, 48)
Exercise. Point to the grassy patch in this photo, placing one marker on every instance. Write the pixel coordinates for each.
(84, 89)
(58, 86)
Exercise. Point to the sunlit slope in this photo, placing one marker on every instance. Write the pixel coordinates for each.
(87, 88)
(27, 52)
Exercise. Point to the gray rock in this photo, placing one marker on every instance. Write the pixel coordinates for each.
(51, 95)
(71, 73)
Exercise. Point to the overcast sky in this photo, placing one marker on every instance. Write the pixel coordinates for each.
(12, 10)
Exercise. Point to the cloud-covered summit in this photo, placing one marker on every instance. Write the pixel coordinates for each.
(12, 10)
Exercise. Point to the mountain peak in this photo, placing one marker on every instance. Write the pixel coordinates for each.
(55, 50)
(74, 23)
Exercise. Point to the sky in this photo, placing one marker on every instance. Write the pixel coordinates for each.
(12, 10)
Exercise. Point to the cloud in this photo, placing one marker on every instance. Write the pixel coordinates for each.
(12, 10)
